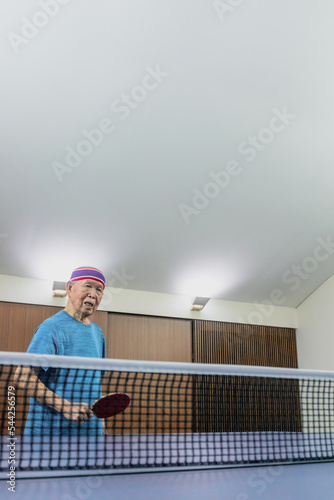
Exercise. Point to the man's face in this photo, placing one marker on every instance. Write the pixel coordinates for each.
(85, 295)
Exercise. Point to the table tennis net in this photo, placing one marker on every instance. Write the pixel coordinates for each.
(180, 415)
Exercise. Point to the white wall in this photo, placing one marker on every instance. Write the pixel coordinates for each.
(315, 333)
(29, 291)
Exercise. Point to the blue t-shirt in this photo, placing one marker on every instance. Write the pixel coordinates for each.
(65, 336)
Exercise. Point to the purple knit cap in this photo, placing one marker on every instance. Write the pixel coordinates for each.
(88, 273)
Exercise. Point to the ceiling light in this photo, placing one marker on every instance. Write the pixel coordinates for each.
(198, 303)
(59, 289)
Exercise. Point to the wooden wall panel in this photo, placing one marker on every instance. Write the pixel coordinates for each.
(239, 404)
(238, 344)
(160, 403)
(160, 407)
(101, 319)
(18, 323)
(149, 338)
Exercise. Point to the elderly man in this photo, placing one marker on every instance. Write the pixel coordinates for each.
(61, 398)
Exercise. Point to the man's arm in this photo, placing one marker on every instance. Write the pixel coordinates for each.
(26, 378)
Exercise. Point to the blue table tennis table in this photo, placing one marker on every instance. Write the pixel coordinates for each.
(288, 482)
(312, 480)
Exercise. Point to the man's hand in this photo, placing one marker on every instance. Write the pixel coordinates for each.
(79, 413)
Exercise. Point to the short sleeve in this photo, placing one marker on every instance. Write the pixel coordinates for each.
(43, 342)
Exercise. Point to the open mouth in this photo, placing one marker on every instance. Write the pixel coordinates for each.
(88, 304)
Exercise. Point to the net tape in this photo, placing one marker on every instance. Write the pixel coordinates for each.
(180, 416)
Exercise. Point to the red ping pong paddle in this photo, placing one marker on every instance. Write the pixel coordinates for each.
(110, 405)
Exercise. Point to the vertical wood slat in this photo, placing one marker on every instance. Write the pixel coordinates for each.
(232, 343)
(235, 404)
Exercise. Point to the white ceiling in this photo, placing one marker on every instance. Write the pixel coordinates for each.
(225, 71)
